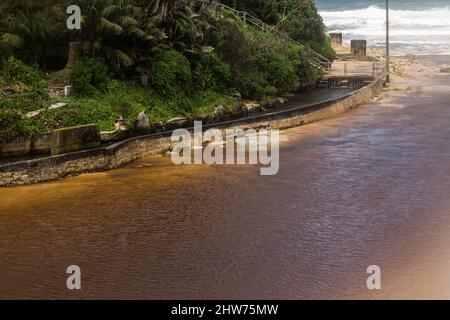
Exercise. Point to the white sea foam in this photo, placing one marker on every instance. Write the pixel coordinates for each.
(424, 32)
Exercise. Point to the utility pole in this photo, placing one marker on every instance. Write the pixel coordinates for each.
(387, 41)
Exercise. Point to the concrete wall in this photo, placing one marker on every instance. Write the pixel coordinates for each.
(21, 146)
(72, 139)
(116, 155)
(58, 141)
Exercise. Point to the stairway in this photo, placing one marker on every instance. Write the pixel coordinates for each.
(315, 59)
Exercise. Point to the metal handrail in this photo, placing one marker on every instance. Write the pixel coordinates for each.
(314, 58)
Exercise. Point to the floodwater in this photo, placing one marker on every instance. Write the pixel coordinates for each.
(370, 187)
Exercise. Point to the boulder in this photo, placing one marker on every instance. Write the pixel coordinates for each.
(271, 102)
(218, 110)
(114, 136)
(143, 121)
(237, 95)
(177, 122)
(158, 126)
(251, 107)
(120, 124)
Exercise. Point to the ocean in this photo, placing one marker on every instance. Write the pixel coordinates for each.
(417, 27)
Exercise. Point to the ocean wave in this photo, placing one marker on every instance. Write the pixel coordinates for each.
(371, 21)
(418, 31)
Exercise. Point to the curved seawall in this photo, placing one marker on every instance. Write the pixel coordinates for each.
(116, 155)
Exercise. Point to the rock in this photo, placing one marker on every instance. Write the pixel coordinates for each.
(116, 135)
(120, 124)
(281, 100)
(237, 95)
(33, 114)
(57, 106)
(271, 102)
(158, 127)
(445, 70)
(177, 122)
(207, 49)
(219, 110)
(10, 91)
(143, 121)
(251, 107)
(68, 91)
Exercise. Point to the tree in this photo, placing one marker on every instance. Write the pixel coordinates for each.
(104, 24)
(32, 30)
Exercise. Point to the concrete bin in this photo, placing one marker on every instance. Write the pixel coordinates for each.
(358, 48)
(72, 139)
(336, 38)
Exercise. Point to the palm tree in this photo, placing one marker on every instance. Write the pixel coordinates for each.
(31, 28)
(103, 22)
(162, 8)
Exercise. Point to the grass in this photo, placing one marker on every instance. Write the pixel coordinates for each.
(127, 99)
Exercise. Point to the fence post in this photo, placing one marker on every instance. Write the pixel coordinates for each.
(345, 69)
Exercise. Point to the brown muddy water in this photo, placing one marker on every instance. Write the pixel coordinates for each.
(370, 187)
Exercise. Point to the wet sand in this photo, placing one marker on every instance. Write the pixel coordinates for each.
(367, 187)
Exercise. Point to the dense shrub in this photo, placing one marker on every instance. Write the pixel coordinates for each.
(172, 73)
(12, 124)
(15, 71)
(267, 10)
(210, 72)
(30, 88)
(306, 26)
(261, 65)
(89, 76)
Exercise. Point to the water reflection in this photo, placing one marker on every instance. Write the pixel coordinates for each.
(369, 187)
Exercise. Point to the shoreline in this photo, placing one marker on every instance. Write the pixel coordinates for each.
(118, 154)
(374, 177)
(123, 152)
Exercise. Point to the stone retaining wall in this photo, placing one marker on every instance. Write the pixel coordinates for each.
(121, 153)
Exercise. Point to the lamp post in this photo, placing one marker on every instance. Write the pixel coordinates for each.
(387, 41)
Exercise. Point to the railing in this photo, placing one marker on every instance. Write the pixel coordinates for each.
(355, 68)
(352, 75)
(315, 59)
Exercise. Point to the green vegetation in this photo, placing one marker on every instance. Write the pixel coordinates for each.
(168, 58)
(128, 99)
(89, 76)
(24, 90)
